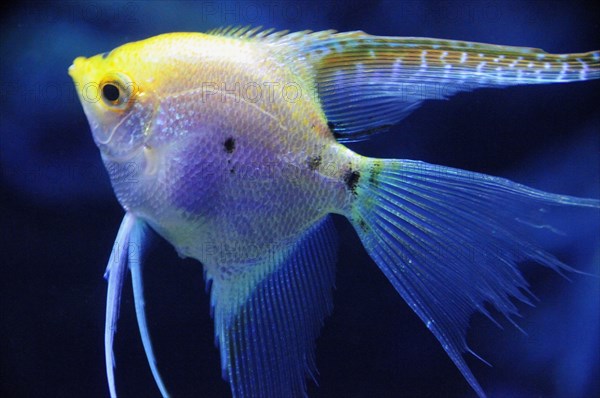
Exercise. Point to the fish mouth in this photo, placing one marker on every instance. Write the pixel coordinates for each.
(76, 69)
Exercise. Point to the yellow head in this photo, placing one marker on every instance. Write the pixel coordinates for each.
(121, 91)
(116, 99)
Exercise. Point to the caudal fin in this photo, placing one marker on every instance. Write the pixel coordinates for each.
(450, 240)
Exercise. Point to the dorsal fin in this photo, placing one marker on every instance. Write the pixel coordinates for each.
(246, 32)
(367, 83)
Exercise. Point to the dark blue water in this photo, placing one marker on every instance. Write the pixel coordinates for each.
(59, 216)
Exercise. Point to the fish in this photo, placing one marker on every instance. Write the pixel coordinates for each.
(230, 145)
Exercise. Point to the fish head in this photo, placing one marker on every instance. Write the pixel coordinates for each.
(147, 116)
(118, 99)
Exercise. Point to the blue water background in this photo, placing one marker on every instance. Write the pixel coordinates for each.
(58, 215)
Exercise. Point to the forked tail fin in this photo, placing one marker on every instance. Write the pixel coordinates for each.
(450, 240)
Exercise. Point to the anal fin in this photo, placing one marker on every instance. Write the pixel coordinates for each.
(267, 339)
(450, 242)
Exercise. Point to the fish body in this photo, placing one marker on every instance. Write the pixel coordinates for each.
(230, 146)
(228, 155)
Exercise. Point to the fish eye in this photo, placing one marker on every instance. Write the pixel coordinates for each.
(111, 92)
(117, 91)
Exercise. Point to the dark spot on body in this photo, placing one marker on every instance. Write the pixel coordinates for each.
(351, 178)
(229, 145)
(363, 225)
(314, 162)
(232, 170)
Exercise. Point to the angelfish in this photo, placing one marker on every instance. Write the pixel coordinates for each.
(229, 145)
